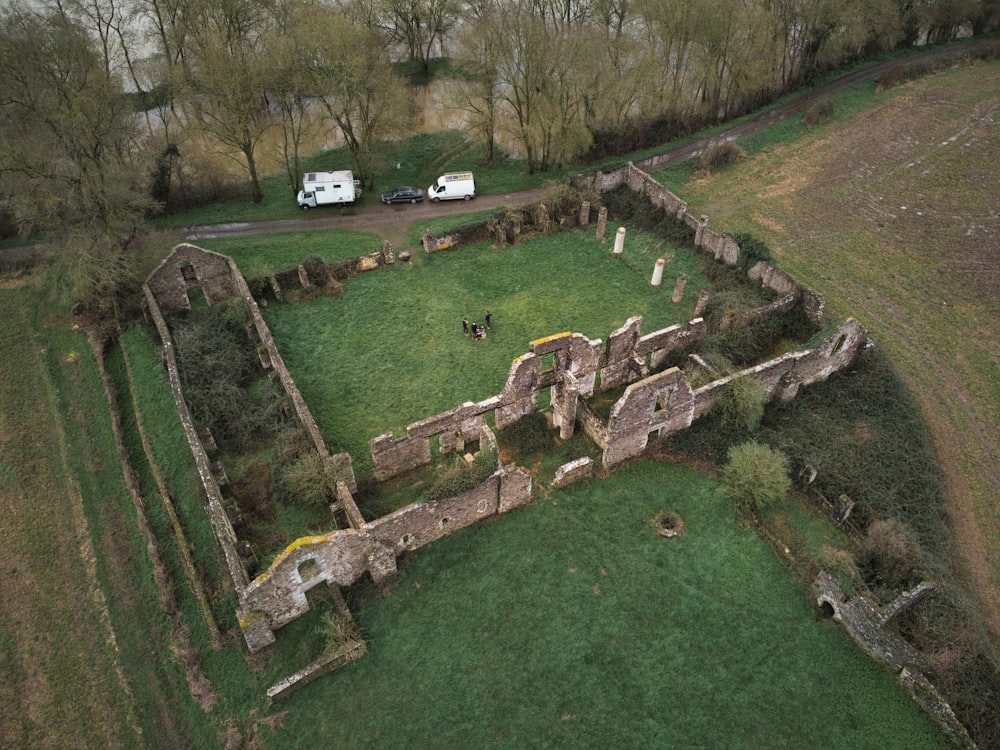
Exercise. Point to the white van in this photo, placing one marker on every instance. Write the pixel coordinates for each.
(328, 189)
(452, 187)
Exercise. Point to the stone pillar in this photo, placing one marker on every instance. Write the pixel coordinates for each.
(602, 224)
(388, 254)
(585, 214)
(620, 241)
(699, 233)
(564, 403)
(658, 272)
(701, 304)
(679, 289)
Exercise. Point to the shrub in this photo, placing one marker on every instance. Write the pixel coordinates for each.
(817, 113)
(307, 481)
(719, 156)
(756, 476)
(222, 379)
(752, 250)
(891, 554)
(740, 406)
(459, 477)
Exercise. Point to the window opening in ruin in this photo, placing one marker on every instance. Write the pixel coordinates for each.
(663, 402)
(548, 362)
(434, 442)
(472, 446)
(826, 610)
(838, 347)
(406, 540)
(308, 569)
(188, 272)
(444, 523)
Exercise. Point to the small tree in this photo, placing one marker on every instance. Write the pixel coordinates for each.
(741, 404)
(756, 476)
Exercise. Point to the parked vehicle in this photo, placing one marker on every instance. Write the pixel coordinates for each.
(328, 189)
(403, 194)
(452, 187)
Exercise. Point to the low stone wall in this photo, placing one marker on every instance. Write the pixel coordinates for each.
(574, 472)
(721, 246)
(865, 623)
(216, 513)
(351, 651)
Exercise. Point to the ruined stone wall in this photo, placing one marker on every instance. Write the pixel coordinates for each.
(190, 267)
(652, 405)
(216, 513)
(278, 595)
(343, 468)
(721, 246)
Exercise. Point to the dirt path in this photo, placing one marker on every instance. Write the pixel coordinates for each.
(392, 222)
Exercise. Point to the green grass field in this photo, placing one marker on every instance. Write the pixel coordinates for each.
(390, 349)
(572, 624)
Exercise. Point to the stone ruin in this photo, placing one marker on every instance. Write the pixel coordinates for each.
(655, 402)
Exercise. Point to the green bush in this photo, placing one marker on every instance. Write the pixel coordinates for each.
(222, 380)
(752, 250)
(307, 481)
(756, 476)
(740, 406)
(458, 477)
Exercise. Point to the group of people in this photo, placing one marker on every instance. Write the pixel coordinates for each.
(475, 329)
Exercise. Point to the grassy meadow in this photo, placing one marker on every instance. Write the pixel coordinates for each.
(390, 349)
(889, 211)
(571, 623)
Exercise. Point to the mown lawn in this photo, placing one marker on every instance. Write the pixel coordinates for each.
(572, 624)
(390, 349)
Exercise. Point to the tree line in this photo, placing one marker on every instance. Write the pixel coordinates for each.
(100, 97)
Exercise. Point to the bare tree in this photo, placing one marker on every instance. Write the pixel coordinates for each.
(420, 25)
(354, 82)
(228, 75)
(69, 158)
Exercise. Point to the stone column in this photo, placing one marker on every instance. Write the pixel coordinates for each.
(620, 241)
(679, 289)
(585, 214)
(658, 272)
(699, 233)
(701, 304)
(602, 224)
(388, 254)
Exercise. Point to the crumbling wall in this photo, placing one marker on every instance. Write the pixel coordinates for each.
(721, 246)
(216, 513)
(662, 403)
(190, 267)
(278, 595)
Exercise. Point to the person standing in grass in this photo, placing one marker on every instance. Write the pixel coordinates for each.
(488, 316)
(465, 326)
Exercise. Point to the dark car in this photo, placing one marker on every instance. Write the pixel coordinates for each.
(404, 194)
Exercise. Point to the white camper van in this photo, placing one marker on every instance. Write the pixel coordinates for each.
(453, 186)
(328, 189)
